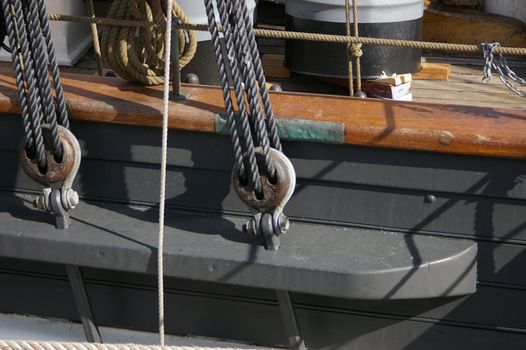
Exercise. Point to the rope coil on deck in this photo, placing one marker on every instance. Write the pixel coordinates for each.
(41, 345)
(137, 52)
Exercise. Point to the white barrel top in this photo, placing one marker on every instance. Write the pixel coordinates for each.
(369, 11)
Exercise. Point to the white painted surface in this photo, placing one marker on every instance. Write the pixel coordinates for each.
(510, 8)
(71, 40)
(17, 327)
(196, 11)
(369, 11)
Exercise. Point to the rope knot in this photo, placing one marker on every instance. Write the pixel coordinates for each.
(356, 50)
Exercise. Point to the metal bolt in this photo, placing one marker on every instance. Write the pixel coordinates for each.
(284, 223)
(250, 228)
(72, 198)
(430, 198)
(192, 79)
(276, 87)
(446, 138)
(360, 94)
(39, 202)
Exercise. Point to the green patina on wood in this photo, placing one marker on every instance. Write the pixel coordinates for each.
(299, 130)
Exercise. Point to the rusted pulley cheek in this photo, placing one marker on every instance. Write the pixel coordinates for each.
(56, 172)
(273, 194)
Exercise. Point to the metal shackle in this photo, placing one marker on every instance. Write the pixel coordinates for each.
(275, 192)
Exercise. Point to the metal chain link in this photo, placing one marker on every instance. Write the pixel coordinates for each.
(498, 62)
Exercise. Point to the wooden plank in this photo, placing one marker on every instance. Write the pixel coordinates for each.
(400, 125)
(433, 71)
(274, 66)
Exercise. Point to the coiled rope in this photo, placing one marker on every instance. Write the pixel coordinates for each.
(137, 52)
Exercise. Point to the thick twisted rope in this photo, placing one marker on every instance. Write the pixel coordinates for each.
(26, 67)
(281, 34)
(242, 117)
(137, 52)
(236, 31)
(22, 93)
(260, 76)
(40, 61)
(41, 345)
(57, 84)
(497, 62)
(227, 97)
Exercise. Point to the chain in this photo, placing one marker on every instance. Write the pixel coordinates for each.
(498, 62)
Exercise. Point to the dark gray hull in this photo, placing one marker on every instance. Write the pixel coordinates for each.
(464, 198)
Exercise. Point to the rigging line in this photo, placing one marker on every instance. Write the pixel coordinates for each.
(164, 151)
(283, 34)
(349, 48)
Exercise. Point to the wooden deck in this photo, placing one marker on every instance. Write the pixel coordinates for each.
(465, 87)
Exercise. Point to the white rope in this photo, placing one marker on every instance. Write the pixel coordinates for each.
(164, 145)
(40, 345)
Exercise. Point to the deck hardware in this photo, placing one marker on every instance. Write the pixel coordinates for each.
(60, 201)
(430, 198)
(360, 94)
(276, 87)
(269, 221)
(192, 79)
(263, 176)
(50, 153)
(176, 94)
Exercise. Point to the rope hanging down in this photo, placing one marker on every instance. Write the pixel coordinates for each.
(51, 153)
(262, 175)
(498, 62)
(137, 53)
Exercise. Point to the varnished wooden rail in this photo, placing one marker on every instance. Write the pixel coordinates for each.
(375, 123)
